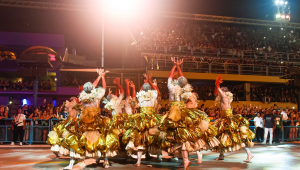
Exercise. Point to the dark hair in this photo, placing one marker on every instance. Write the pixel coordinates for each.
(202, 105)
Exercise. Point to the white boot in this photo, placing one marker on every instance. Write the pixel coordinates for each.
(199, 155)
(81, 163)
(249, 155)
(70, 166)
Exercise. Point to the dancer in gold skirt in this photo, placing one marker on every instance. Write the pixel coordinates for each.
(143, 128)
(55, 137)
(233, 130)
(89, 137)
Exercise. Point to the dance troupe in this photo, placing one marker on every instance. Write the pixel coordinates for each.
(86, 134)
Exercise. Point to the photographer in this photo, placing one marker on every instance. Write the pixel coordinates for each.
(18, 126)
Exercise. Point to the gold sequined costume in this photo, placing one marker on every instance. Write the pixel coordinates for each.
(55, 136)
(233, 132)
(183, 130)
(93, 135)
(141, 130)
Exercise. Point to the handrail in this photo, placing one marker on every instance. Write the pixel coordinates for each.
(33, 129)
(218, 67)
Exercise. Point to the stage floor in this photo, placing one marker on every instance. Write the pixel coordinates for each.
(266, 157)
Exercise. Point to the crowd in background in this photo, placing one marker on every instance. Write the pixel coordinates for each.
(201, 36)
(8, 85)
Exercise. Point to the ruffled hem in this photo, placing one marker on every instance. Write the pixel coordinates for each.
(236, 147)
(130, 147)
(55, 148)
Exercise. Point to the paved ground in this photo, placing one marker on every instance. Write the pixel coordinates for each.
(282, 157)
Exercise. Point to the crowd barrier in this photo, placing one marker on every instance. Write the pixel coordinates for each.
(219, 68)
(33, 133)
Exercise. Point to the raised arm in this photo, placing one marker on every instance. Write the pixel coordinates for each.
(145, 80)
(127, 87)
(178, 67)
(152, 85)
(217, 88)
(95, 83)
(103, 79)
(133, 89)
(117, 83)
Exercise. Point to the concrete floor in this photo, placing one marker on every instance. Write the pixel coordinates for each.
(282, 157)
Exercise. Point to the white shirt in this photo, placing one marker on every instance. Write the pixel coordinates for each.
(284, 115)
(258, 122)
(172, 90)
(147, 102)
(19, 119)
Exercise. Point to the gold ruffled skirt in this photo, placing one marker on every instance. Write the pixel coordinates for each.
(141, 130)
(187, 132)
(92, 136)
(233, 132)
(55, 136)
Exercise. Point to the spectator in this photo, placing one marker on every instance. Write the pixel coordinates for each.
(292, 128)
(269, 125)
(3, 115)
(279, 126)
(45, 117)
(18, 126)
(258, 123)
(35, 116)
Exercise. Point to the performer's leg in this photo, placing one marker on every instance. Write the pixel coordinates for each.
(186, 161)
(106, 164)
(249, 155)
(81, 163)
(70, 166)
(221, 156)
(199, 155)
(56, 154)
(139, 158)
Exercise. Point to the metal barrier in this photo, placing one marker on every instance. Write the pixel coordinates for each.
(221, 68)
(35, 131)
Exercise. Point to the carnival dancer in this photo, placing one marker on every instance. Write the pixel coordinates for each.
(130, 101)
(143, 128)
(233, 130)
(55, 137)
(204, 133)
(89, 138)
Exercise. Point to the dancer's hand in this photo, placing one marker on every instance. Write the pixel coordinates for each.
(118, 80)
(175, 73)
(127, 81)
(131, 84)
(179, 62)
(173, 61)
(150, 77)
(104, 73)
(109, 91)
(155, 82)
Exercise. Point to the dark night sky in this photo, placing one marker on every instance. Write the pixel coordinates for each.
(83, 31)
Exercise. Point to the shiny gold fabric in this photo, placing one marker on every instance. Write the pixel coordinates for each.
(229, 133)
(88, 114)
(59, 128)
(138, 128)
(186, 129)
(226, 113)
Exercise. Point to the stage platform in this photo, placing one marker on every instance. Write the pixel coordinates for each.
(267, 157)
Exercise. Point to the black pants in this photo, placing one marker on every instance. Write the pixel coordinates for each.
(259, 134)
(277, 134)
(18, 131)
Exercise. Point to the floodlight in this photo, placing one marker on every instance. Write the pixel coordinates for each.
(122, 8)
(286, 2)
(281, 2)
(282, 16)
(277, 15)
(283, 36)
(277, 2)
(270, 28)
(287, 16)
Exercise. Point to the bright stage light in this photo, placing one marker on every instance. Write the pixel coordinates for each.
(286, 2)
(277, 15)
(123, 8)
(282, 16)
(281, 2)
(24, 101)
(287, 16)
(277, 2)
